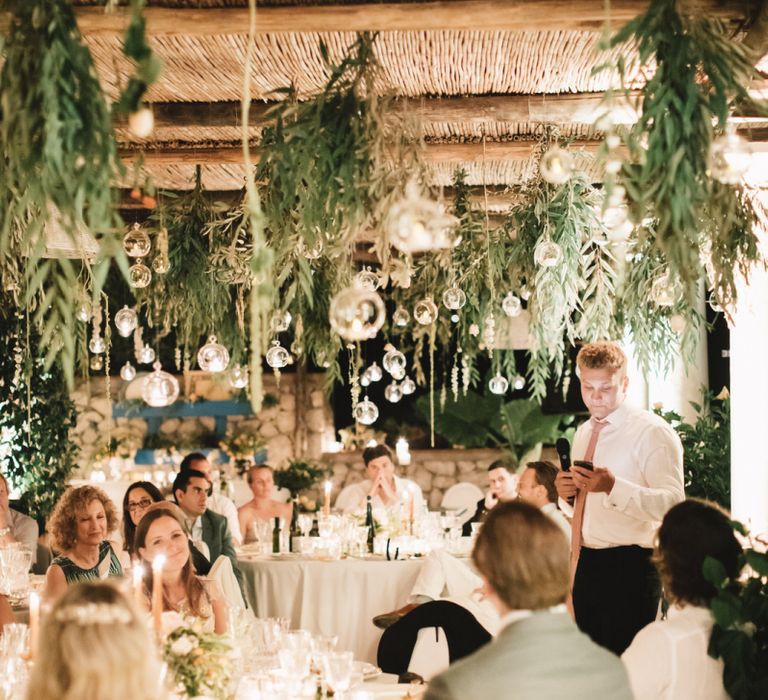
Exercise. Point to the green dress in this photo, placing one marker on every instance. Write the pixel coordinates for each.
(74, 574)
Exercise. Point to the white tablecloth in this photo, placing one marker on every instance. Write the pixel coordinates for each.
(330, 597)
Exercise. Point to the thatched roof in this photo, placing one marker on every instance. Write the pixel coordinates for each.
(523, 51)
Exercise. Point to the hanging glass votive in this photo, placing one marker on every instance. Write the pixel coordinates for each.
(310, 252)
(729, 157)
(83, 312)
(518, 382)
(145, 355)
(213, 356)
(401, 317)
(159, 388)
(136, 242)
(238, 377)
(556, 165)
(127, 372)
(407, 386)
(425, 312)
(663, 291)
(365, 379)
(714, 304)
(498, 385)
(367, 279)
(511, 305)
(139, 275)
(161, 264)
(126, 321)
(454, 298)
(97, 362)
(277, 356)
(547, 253)
(280, 321)
(356, 313)
(375, 373)
(393, 360)
(393, 392)
(366, 412)
(97, 345)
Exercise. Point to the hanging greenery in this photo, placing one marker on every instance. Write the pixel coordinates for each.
(36, 415)
(697, 72)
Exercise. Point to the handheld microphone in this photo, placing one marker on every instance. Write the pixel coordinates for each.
(563, 448)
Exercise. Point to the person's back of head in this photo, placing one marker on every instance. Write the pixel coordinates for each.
(189, 461)
(523, 556)
(690, 532)
(95, 645)
(546, 472)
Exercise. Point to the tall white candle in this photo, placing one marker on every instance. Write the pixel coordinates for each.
(157, 592)
(327, 498)
(138, 585)
(34, 622)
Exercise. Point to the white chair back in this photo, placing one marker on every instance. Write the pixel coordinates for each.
(221, 572)
(430, 653)
(462, 496)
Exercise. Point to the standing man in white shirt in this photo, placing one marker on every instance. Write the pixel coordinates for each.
(15, 526)
(619, 504)
(385, 489)
(217, 501)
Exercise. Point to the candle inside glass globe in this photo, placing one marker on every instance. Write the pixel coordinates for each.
(83, 313)
(407, 386)
(277, 356)
(161, 264)
(367, 279)
(556, 165)
(518, 382)
(159, 388)
(136, 242)
(729, 158)
(125, 321)
(401, 317)
(511, 305)
(393, 360)
(375, 373)
(663, 291)
(393, 392)
(139, 275)
(454, 298)
(498, 384)
(238, 377)
(97, 362)
(547, 253)
(213, 356)
(127, 372)
(280, 321)
(356, 313)
(425, 312)
(97, 345)
(366, 412)
(145, 355)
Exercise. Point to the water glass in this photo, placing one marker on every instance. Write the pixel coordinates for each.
(305, 524)
(337, 670)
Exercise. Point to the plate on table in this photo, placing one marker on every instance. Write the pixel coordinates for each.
(368, 671)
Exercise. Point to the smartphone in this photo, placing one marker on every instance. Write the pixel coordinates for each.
(583, 464)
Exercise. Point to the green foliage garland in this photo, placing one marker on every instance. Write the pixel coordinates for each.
(36, 415)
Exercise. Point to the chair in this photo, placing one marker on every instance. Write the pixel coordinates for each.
(221, 572)
(462, 496)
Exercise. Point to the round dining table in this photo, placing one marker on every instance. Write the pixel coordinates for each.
(337, 597)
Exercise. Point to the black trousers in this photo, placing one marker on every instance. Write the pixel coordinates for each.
(615, 594)
(463, 633)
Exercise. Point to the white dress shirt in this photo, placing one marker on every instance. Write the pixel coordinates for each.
(195, 529)
(645, 455)
(222, 505)
(668, 659)
(353, 498)
(24, 530)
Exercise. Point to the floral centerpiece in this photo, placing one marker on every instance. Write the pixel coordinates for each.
(299, 475)
(246, 446)
(199, 661)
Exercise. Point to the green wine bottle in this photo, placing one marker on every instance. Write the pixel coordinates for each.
(295, 531)
(276, 537)
(370, 524)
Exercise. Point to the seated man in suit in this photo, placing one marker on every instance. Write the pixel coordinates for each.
(502, 484)
(522, 557)
(208, 531)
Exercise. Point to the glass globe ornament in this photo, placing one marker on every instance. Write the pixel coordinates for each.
(145, 355)
(97, 362)
(213, 356)
(518, 382)
(547, 253)
(365, 379)
(161, 264)
(393, 360)
(393, 392)
(498, 385)
(407, 386)
(454, 298)
(375, 372)
(401, 318)
(663, 291)
(356, 313)
(714, 304)
(556, 165)
(159, 388)
(97, 345)
(366, 412)
(238, 377)
(126, 321)
(136, 243)
(417, 223)
(139, 275)
(83, 313)
(367, 279)
(127, 372)
(729, 157)
(280, 321)
(511, 305)
(617, 223)
(425, 312)
(277, 356)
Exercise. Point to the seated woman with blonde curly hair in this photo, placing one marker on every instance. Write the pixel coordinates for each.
(95, 645)
(161, 531)
(79, 526)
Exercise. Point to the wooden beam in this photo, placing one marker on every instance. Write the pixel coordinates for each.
(464, 15)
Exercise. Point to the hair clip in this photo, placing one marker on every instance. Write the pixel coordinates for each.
(94, 614)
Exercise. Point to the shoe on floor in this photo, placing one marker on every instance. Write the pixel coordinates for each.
(388, 619)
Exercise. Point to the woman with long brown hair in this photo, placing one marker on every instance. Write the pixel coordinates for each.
(161, 531)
